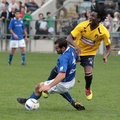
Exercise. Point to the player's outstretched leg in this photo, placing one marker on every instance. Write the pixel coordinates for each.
(74, 103)
(66, 95)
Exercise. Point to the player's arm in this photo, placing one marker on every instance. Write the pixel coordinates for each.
(58, 79)
(106, 53)
(107, 43)
(12, 32)
(11, 29)
(70, 40)
(25, 33)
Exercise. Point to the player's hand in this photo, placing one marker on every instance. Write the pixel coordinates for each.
(79, 59)
(15, 36)
(105, 60)
(26, 39)
(44, 88)
(77, 49)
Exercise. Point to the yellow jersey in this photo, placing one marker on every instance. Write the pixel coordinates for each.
(89, 40)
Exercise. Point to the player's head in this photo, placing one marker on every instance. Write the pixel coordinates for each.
(60, 45)
(17, 14)
(98, 14)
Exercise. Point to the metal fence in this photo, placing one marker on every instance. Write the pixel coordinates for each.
(61, 29)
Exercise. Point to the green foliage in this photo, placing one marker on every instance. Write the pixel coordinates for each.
(19, 81)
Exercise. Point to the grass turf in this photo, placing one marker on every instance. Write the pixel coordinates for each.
(19, 81)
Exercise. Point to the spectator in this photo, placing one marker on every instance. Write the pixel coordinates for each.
(110, 4)
(19, 4)
(116, 16)
(116, 20)
(27, 18)
(22, 12)
(108, 22)
(41, 27)
(60, 7)
(1, 6)
(74, 20)
(5, 3)
(4, 15)
(33, 5)
(14, 4)
(83, 17)
(42, 2)
(11, 15)
(93, 3)
(88, 14)
(25, 3)
(50, 24)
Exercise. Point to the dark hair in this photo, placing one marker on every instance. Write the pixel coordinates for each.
(28, 10)
(101, 11)
(20, 2)
(40, 14)
(17, 11)
(61, 42)
(48, 13)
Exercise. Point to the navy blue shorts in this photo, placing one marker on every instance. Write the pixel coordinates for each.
(87, 61)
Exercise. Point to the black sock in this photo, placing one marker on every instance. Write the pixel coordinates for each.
(88, 80)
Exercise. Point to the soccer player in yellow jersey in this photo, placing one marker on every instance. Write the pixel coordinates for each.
(86, 38)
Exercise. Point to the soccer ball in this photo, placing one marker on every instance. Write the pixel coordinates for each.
(32, 104)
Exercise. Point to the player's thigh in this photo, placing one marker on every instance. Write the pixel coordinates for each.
(54, 89)
(67, 85)
(22, 43)
(61, 87)
(13, 43)
(87, 61)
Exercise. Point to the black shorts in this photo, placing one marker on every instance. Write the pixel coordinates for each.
(87, 60)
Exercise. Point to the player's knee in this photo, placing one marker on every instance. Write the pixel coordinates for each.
(41, 84)
(37, 87)
(88, 73)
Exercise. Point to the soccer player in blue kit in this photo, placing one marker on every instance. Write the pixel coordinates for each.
(17, 29)
(65, 79)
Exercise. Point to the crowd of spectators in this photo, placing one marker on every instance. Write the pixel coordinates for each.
(112, 21)
(44, 26)
(7, 12)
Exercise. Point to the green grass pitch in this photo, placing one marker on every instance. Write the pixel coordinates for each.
(19, 81)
